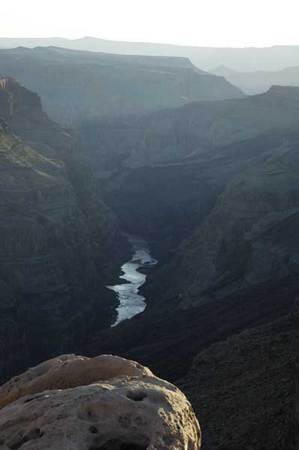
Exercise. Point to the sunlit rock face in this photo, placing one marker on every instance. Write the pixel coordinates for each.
(102, 403)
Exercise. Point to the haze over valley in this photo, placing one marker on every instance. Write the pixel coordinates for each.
(149, 198)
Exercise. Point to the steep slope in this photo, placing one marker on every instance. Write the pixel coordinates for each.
(76, 84)
(249, 239)
(259, 81)
(53, 266)
(254, 377)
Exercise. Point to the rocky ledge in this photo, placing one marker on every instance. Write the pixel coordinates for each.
(104, 402)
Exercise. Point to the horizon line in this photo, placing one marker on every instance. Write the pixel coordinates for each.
(140, 42)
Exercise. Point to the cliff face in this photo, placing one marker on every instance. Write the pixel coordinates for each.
(249, 238)
(75, 84)
(53, 265)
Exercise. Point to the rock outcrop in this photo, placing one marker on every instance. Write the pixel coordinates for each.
(101, 403)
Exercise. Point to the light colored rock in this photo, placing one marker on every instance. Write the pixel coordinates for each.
(68, 371)
(126, 407)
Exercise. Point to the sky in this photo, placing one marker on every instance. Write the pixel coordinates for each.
(234, 23)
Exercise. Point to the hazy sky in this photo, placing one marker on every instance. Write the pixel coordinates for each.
(197, 22)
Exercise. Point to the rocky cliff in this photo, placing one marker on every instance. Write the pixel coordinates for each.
(249, 238)
(102, 403)
(53, 266)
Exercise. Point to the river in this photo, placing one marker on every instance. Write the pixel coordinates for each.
(131, 302)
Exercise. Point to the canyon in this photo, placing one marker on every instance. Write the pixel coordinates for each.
(211, 186)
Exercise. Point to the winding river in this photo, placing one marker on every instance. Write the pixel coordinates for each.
(131, 280)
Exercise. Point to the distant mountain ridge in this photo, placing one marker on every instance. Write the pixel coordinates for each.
(257, 82)
(74, 84)
(243, 59)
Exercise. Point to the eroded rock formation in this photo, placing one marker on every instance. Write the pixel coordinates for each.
(125, 407)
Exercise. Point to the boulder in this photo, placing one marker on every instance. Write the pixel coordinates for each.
(67, 371)
(107, 402)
